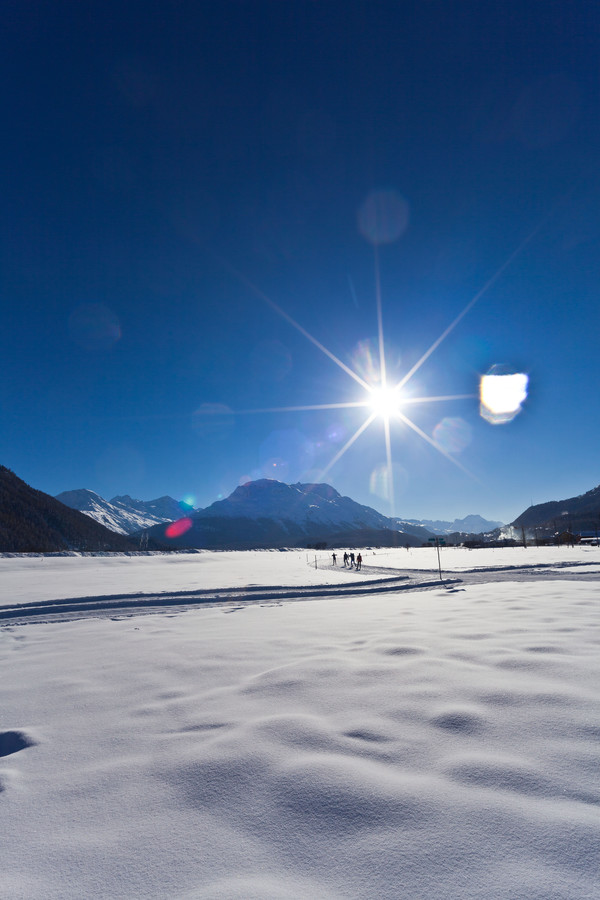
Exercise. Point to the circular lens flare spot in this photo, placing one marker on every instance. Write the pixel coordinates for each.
(335, 434)
(176, 529)
(94, 327)
(213, 420)
(385, 402)
(502, 395)
(383, 217)
(452, 434)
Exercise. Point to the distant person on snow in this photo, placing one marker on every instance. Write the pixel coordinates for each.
(345, 558)
(358, 562)
(334, 558)
(351, 560)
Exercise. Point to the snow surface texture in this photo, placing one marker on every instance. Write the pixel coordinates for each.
(441, 744)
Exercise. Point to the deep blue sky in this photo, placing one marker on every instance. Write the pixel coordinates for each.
(165, 166)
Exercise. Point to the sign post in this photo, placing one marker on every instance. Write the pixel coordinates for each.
(438, 540)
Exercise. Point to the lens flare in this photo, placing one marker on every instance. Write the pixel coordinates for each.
(365, 360)
(502, 395)
(285, 450)
(213, 420)
(94, 327)
(176, 529)
(383, 480)
(383, 217)
(453, 434)
(336, 433)
(379, 483)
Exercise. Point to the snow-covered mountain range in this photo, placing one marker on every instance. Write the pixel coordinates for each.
(264, 513)
(303, 504)
(123, 515)
(322, 504)
(472, 524)
(268, 513)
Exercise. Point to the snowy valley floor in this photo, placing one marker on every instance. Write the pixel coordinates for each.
(436, 743)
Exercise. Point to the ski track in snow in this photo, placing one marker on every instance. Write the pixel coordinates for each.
(382, 579)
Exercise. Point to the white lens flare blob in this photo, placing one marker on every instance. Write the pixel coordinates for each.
(384, 401)
(502, 395)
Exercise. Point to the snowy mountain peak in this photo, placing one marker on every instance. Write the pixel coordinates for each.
(125, 498)
(261, 486)
(123, 515)
(301, 504)
(472, 524)
(270, 487)
(163, 509)
(80, 496)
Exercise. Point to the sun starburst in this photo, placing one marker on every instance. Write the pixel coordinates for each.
(382, 400)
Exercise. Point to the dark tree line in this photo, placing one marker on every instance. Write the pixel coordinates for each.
(34, 522)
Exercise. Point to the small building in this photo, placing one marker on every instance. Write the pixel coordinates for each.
(566, 537)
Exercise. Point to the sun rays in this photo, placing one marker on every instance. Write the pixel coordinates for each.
(383, 401)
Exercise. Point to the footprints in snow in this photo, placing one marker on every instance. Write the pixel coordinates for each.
(459, 722)
(13, 741)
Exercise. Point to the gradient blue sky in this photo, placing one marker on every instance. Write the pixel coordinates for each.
(172, 170)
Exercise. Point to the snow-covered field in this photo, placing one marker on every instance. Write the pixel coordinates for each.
(440, 743)
(460, 558)
(36, 578)
(27, 579)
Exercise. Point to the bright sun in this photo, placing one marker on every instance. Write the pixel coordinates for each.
(384, 401)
